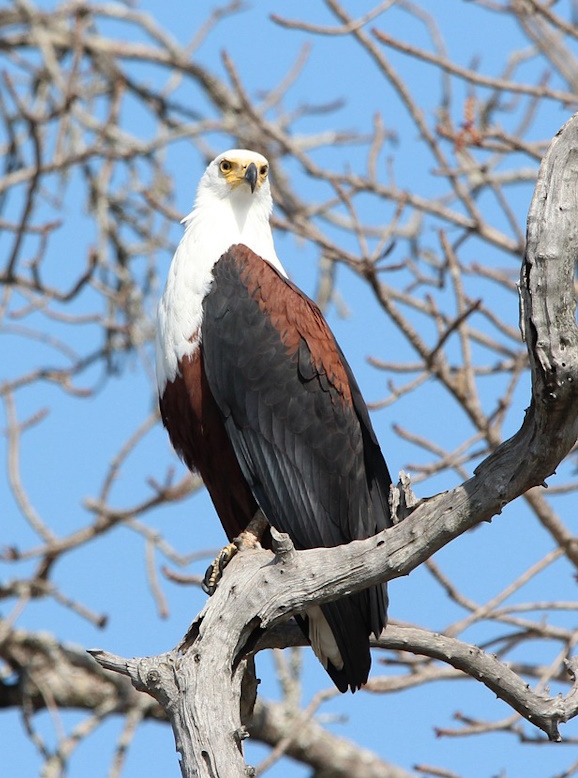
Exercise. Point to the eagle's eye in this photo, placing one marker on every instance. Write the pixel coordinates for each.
(225, 166)
(263, 170)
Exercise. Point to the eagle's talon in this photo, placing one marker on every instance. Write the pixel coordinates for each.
(215, 569)
(226, 555)
(207, 583)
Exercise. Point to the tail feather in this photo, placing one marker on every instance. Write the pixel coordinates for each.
(339, 634)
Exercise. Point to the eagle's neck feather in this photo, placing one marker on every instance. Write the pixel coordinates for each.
(213, 226)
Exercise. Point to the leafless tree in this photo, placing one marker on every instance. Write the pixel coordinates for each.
(99, 105)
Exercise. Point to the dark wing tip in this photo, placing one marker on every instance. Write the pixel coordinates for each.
(344, 680)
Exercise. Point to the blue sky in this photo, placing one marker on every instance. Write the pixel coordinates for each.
(64, 458)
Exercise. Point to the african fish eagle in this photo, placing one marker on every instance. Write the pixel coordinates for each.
(258, 398)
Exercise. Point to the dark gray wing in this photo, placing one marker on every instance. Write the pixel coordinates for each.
(299, 428)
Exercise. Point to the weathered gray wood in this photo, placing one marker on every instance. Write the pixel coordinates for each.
(199, 683)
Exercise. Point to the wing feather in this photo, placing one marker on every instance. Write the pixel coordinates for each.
(299, 428)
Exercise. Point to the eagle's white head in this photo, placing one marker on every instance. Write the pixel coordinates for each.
(237, 172)
(233, 205)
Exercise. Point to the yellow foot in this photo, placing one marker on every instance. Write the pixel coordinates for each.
(215, 569)
(249, 538)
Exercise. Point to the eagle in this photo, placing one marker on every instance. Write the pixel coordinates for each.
(258, 398)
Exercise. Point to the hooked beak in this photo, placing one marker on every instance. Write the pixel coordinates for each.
(251, 176)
